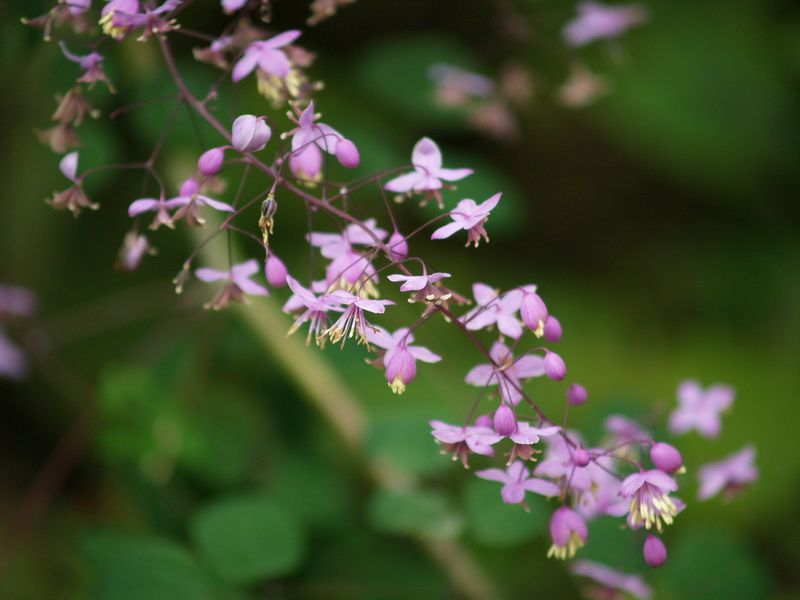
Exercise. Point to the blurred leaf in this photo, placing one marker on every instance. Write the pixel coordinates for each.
(131, 568)
(417, 512)
(395, 72)
(707, 565)
(246, 539)
(404, 443)
(492, 522)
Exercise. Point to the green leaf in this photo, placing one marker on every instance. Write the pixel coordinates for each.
(416, 512)
(246, 539)
(404, 442)
(132, 567)
(494, 523)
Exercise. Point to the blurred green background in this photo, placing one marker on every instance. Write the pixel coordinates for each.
(185, 459)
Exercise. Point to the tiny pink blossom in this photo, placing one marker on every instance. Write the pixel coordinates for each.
(311, 308)
(423, 285)
(728, 475)
(506, 371)
(700, 409)
(267, 56)
(352, 322)
(400, 358)
(238, 283)
(90, 63)
(460, 441)
(596, 21)
(310, 139)
(492, 308)
(470, 217)
(516, 481)
(649, 496)
(568, 531)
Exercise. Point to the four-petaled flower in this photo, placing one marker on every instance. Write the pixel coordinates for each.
(492, 308)
(700, 409)
(237, 284)
(506, 372)
(91, 64)
(352, 322)
(525, 437)
(428, 172)
(471, 217)
(267, 56)
(460, 441)
(424, 286)
(400, 359)
(516, 481)
(596, 21)
(728, 475)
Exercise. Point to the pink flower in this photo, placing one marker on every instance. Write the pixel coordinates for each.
(231, 6)
(311, 308)
(267, 56)
(424, 286)
(275, 271)
(91, 65)
(134, 247)
(400, 359)
(16, 301)
(568, 531)
(250, 133)
(151, 22)
(612, 580)
(460, 441)
(597, 21)
(650, 502)
(353, 322)
(310, 139)
(524, 437)
(428, 171)
(728, 475)
(506, 372)
(237, 284)
(516, 481)
(700, 409)
(559, 465)
(625, 430)
(471, 217)
(398, 246)
(13, 364)
(189, 200)
(492, 308)
(160, 207)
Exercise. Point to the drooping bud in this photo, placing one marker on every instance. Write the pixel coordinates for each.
(533, 311)
(210, 161)
(655, 552)
(189, 187)
(552, 329)
(554, 366)
(347, 154)
(568, 531)
(505, 422)
(666, 457)
(580, 457)
(250, 133)
(275, 271)
(398, 246)
(577, 394)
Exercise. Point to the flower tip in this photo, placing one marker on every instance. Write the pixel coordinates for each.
(666, 457)
(577, 394)
(655, 552)
(347, 154)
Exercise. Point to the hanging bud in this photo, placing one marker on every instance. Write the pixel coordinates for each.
(666, 457)
(580, 457)
(655, 552)
(398, 246)
(504, 422)
(552, 329)
(568, 531)
(275, 271)
(347, 154)
(554, 366)
(250, 133)
(210, 161)
(577, 394)
(533, 310)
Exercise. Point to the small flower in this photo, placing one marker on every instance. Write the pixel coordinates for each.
(189, 200)
(577, 394)
(310, 139)
(654, 551)
(455, 86)
(424, 286)
(398, 246)
(151, 22)
(210, 161)
(596, 21)
(470, 217)
(506, 372)
(612, 580)
(492, 308)
(552, 331)
(311, 308)
(728, 475)
(275, 271)
(428, 172)
(649, 496)
(352, 322)
(568, 531)
(73, 199)
(700, 409)
(516, 481)
(525, 437)
(400, 359)
(559, 464)
(134, 247)
(91, 64)
(460, 441)
(250, 133)
(110, 9)
(666, 458)
(237, 284)
(267, 56)
(160, 207)
(533, 310)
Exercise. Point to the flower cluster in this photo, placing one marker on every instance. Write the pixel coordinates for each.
(363, 269)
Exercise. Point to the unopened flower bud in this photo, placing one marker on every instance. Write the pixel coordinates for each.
(505, 422)
(250, 133)
(275, 271)
(210, 161)
(554, 366)
(347, 154)
(580, 457)
(577, 394)
(533, 312)
(655, 552)
(398, 246)
(552, 329)
(189, 187)
(666, 457)
(568, 531)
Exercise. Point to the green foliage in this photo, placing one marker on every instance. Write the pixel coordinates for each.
(404, 442)
(416, 512)
(494, 523)
(246, 539)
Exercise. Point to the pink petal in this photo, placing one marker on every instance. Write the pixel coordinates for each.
(446, 231)
(426, 156)
(142, 205)
(454, 174)
(209, 275)
(244, 66)
(404, 183)
(282, 39)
